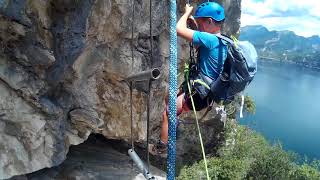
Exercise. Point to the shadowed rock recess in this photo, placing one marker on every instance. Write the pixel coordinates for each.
(62, 63)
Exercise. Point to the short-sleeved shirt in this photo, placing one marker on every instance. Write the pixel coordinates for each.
(213, 53)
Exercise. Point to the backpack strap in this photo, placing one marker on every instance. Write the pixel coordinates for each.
(220, 56)
(226, 38)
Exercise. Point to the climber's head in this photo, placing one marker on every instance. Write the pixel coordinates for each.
(209, 17)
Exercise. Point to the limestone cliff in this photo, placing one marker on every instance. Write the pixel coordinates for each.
(62, 63)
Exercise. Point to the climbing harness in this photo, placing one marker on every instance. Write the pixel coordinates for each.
(199, 133)
(146, 77)
(191, 70)
(191, 84)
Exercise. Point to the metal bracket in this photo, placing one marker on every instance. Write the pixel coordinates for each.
(140, 81)
(152, 74)
(145, 77)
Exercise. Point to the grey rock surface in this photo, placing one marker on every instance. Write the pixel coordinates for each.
(62, 63)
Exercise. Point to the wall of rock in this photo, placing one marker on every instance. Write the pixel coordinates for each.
(62, 65)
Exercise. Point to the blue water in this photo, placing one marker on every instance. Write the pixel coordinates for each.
(287, 99)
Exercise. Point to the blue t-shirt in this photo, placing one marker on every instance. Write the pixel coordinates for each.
(213, 53)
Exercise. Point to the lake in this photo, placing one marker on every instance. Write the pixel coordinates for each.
(287, 100)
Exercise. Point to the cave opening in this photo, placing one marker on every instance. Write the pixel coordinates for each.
(96, 158)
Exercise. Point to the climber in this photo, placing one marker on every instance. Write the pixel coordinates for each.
(212, 53)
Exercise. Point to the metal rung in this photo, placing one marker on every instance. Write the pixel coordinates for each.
(136, 159)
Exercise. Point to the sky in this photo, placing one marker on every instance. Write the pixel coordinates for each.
(300, 16)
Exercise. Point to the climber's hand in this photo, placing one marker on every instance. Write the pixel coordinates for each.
(188, 9)
(192, 24)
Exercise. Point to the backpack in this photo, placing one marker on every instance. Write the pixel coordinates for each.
(239, 70)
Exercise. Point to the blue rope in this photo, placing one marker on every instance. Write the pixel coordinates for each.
(171, 161)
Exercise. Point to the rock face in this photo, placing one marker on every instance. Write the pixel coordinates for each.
(62, 65)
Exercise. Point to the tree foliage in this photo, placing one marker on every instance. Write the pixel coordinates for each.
(246, 154)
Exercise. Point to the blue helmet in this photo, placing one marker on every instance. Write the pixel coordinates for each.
(210, 10)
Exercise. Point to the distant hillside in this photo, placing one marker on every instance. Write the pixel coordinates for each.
(283, 45)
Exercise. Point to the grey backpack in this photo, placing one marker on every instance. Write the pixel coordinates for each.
(239, 70)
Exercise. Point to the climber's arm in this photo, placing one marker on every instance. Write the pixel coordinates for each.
(182, 29)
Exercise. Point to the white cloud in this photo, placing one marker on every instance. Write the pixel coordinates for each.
(302, 17)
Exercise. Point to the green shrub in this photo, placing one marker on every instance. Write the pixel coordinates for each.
(246, 154)
(267, 161)
(219, 168)
(271, 163)
(305, 172)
